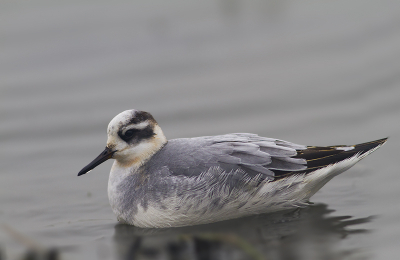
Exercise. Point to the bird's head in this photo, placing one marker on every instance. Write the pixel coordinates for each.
(133, 137)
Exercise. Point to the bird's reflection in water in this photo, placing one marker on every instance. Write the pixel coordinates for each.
(307, 233)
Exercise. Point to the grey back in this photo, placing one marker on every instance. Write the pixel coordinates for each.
(249, 153)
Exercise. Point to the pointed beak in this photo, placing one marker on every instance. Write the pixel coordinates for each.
(104, 156)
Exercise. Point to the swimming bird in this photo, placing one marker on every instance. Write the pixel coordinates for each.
(158, 183)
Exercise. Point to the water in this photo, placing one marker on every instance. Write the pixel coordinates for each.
(311, 73)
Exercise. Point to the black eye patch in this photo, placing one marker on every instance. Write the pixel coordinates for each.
(130, 133)
(136, 135)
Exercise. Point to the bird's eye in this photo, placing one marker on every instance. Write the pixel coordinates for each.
(130, 133)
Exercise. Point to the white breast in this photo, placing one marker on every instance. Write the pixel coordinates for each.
(183, 209)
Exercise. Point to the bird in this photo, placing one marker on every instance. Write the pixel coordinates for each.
(160, 183)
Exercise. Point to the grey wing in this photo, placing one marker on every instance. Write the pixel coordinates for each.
(248, 153)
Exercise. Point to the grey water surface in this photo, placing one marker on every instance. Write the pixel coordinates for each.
(313, 73)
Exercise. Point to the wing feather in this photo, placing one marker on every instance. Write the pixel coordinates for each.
(233, 153)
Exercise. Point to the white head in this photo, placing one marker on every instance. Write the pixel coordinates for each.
(133, 137)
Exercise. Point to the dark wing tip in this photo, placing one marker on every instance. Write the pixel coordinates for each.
(365, 147)
(319, 157)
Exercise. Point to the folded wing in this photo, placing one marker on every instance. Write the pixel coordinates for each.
(246, 153)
